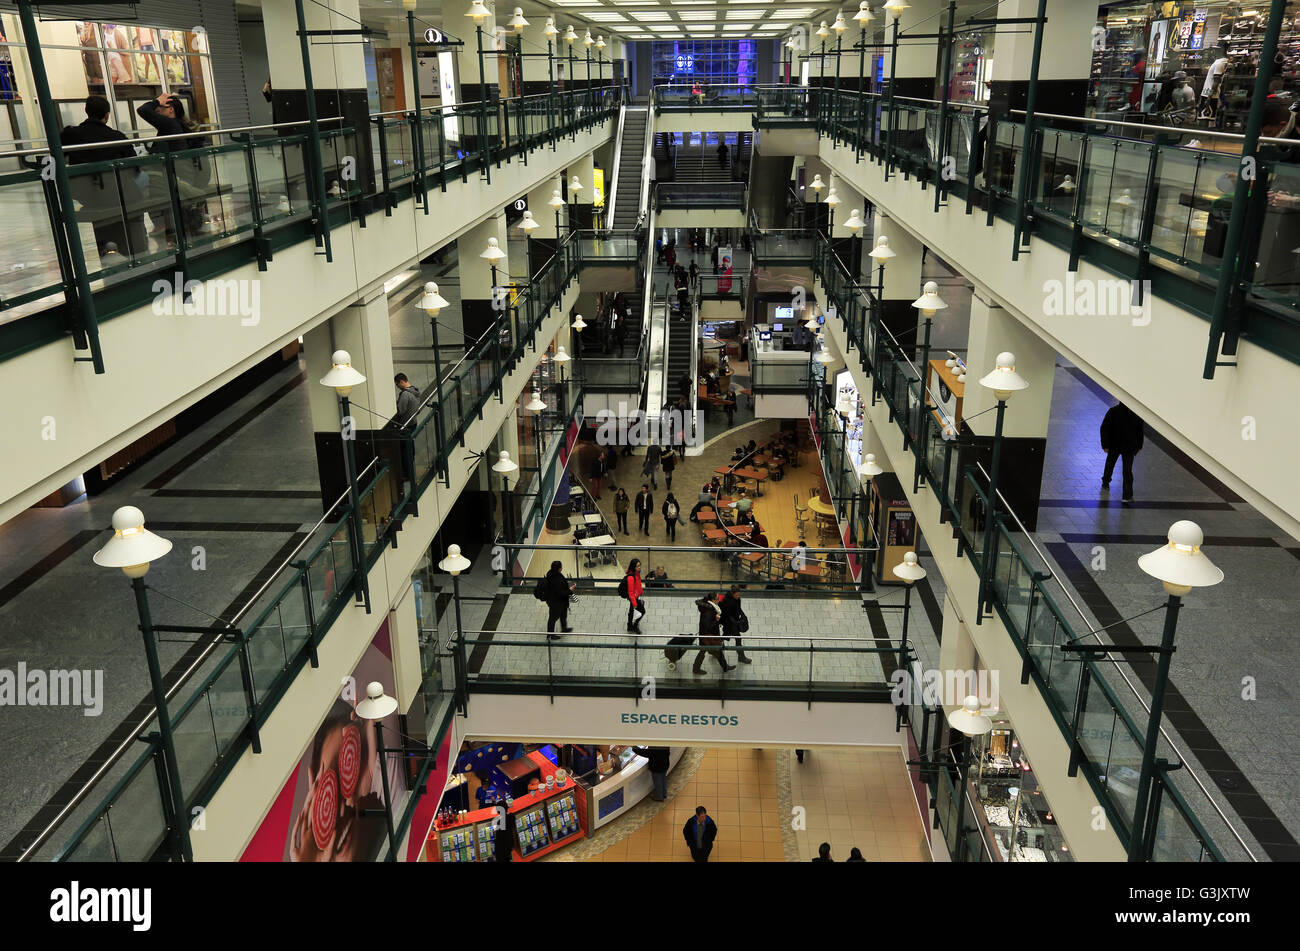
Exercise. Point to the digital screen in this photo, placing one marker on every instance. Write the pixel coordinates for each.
(610, 804)
(777, 328)
(765, 335)
(785, 313)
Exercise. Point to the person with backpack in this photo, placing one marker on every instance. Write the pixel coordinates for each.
(645, 504)
(734, 622)
(555, 590)
(668, 460)
(672, 514)
(621, 504)
(632, 589)
(710, 641)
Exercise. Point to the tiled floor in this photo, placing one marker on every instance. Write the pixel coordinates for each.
(848, 797)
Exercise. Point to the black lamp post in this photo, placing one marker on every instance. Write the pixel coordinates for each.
(1003, 380)
(970, 722)
(454, 564)
(342, 377)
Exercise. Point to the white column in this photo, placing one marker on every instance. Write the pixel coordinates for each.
(992, 331)
(475, 272)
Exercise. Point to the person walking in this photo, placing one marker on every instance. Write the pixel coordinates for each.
(658, 757)
(1122, 434)
(695, 274)
(650, 468)
(597, 470)
(632, 589)
(734, 622)
(555, 590)
(644, 505)
(668, 459)
(671, 512)
(824, 853)
(408, 399)
(622, 502)
(709, 633)
(700, 831)
(855, 855)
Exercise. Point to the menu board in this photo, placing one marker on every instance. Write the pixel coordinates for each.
(563, 815)
(457, 845)
(487, 846)
(531, 829)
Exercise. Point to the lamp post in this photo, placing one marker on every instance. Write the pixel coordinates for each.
(132, 548)
(839, 26)
(1003, 380)
(575, 187)
(855, 224)
(862, 17)
(894, 9)
(831, 201)
(431, 302)
(478, 13)
(868, 470)
(492, 254)
(928, 304)
(588, 42)
(816, 186)
(562, 358)
(600, 61)
(909, 572)
(1179, 566)
(557, 202)
(342, 377)
(504, 466)
(789, 66)
(822, 33)
(454, 564)
(881, 253)
(551, 33)
(528, 225)
(374, 709)
(970, 722)
(571, 37)
(517, 22)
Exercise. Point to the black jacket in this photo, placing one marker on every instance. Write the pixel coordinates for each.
(731, 612)
(645, 502)
(556, 588)
(1122, 430)
(657, 755)
(710, 833)
(88, 132)
(166, 125)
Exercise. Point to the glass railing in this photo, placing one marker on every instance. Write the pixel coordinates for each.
(769, 377)
(700, 195)
(712, 557)
(277, 634)
(816, 667)
(778, 104)
(155, 213)
(701, 96)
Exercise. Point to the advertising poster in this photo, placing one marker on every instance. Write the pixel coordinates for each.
(318, 815)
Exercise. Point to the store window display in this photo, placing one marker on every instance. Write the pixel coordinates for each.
(1014, 815)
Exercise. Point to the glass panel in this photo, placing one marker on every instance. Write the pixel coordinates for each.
(196, 744)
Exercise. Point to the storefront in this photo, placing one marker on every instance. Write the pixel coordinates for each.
(1138, 46)
(127, 64)
(552, 796)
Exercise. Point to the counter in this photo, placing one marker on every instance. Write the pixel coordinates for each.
(618, 792)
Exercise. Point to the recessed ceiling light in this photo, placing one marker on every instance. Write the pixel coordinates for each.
(744, 14)
(583, 3)
(738, 27)
(749, 1)
(649, 16)
(605, 16)
(695, 3)
(697, 15)
(629, 28)
(799, 14)
(761, 35)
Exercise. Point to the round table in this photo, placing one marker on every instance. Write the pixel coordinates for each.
(820, 506)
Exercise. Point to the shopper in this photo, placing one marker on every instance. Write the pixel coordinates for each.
(650, 468)
(709, 633)
(167, 115)
(644, 505)
(668, 459)
(855, 855)
(658, 578)
(109, 203)
(622, 502)
(555, 590)
(734, 622)
(798, 754)
(695, 274)
(1121, 437)
(824, 853)
(743, 504)
(700, 831)
(632, 589)
(658, 757)
(595, 473)
(671, 512)
(408, 399)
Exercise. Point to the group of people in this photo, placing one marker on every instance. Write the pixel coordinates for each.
(643, 504)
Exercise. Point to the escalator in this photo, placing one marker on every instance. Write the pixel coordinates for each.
(626, 197)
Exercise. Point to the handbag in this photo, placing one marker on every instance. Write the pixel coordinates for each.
(742, 625)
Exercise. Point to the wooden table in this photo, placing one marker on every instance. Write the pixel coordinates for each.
(702, 516)
(821, 507)
(718, 534)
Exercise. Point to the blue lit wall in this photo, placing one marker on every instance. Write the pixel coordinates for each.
(712, 62)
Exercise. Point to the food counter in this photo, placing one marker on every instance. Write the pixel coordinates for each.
(621, 786)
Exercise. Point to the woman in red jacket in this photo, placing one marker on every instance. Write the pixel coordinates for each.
(634, 590)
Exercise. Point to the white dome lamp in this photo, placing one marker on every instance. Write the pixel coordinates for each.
(132, 546)
(855, 224)
(882, 252)
(478, 12)
(929, 303)
(824, 356)
(550, 29)
(493, 251)
(517, 21)
(863, 16)
(600, 42)
(578, 323)
(529, 224)
(823, 32)
(342, 376)
(1125, 198)
(1180, 565)
(895, 8)
(377, 704)
(1003, 380)
(587, 40)
(969, 719)
(570, 35)
(557, 202)
(431, 301)
(869, 469)
(575, 186)
(909, 572)
(561, 357)
(1067, 185)
(833, 199)
(505, 465)
(535, 405)
(817, 185)
(839, 26)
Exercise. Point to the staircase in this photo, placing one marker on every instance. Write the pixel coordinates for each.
(679, 350)
(631, 160)
(699, 165)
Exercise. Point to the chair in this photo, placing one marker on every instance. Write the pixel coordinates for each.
(801, 522)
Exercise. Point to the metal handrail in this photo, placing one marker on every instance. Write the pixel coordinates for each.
(496, 639)
(146, 139)
(618, 155)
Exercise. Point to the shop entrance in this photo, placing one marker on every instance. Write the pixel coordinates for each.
(587, 802)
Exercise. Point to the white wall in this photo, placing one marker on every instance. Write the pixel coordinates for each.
(159, 365)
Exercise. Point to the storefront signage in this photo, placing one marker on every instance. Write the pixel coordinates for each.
(434, 36)
(680, 719)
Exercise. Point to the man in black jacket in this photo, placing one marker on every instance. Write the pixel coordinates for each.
(732, 612)
(1121, 436)
(644, 505)
(555, 589)
(658, 757)
(699, 832)
(104, 197)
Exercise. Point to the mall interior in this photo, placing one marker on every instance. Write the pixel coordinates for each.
(649, 430)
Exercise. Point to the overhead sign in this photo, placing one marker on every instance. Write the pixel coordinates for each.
(520, 205)
(434, 36)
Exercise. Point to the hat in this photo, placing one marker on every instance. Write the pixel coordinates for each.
(1180, 75)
